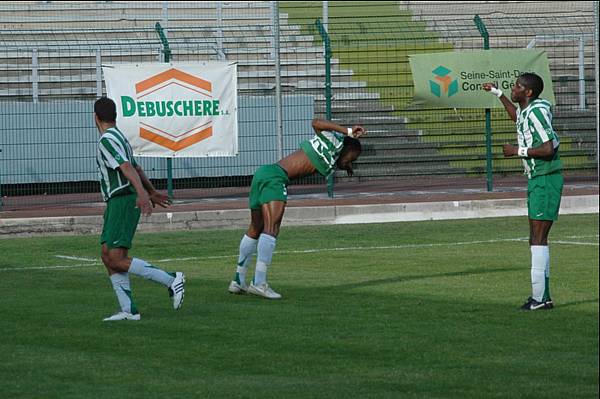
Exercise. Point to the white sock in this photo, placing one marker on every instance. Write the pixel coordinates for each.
(266, 247)
(538, 271)
(247, 248)
(120, 283)
(142, 268)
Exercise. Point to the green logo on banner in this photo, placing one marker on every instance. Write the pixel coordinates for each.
(443, 82)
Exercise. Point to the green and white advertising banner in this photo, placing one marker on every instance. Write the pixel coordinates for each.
(455, 79)
(174, 110)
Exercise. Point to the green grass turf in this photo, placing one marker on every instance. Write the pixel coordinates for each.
(411, 314)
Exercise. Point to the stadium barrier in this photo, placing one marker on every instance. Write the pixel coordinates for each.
(50, 74)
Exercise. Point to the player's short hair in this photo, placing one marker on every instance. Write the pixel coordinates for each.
(351, 145)
(106, 110)
(533, 82)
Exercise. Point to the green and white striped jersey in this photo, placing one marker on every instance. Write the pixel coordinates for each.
(534, 128)
(114, 150)
(323, 150)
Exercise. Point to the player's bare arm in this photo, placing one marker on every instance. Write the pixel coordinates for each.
(156, 198)
(545, 151)
(319, 125)
(508, 105)
(143, 200)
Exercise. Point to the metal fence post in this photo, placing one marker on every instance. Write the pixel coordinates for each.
(488, 113)
(166, 58)
(278, 102)
(581, 72)
(98, 72)
(220, 51)
(165, 16)
(326, 15)
(597, 78)
(327, 46)
(34, 76)
(327, 54)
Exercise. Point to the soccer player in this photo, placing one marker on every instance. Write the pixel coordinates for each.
(332, 146)
(127, 193)
(538, 149)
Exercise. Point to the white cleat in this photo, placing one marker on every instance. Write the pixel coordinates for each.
(237, 288)
(123, 316)
(177, 290)
(263, 290)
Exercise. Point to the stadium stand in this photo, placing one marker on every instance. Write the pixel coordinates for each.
(53, 50)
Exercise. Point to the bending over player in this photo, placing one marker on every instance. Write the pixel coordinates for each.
(332, 146)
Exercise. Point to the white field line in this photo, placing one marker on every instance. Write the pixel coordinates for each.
(19, 269)
(306, 251)
(75, 258)
(406, 246)
(575, 243)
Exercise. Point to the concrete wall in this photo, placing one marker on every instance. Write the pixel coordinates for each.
(340, 214)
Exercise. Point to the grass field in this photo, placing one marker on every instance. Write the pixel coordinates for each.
(423, 309)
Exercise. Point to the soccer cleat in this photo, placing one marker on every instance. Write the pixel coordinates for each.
(532, 304)
(123, 316)
(237, 288)
(263, 290)
(177, 290)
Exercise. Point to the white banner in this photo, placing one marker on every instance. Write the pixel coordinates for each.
(174, 110)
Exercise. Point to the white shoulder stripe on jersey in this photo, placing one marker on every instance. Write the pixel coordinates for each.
(116, 144)
(538, 125)
(110, 160)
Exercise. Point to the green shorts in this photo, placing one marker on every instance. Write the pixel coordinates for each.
(121, 218)
(543, 196)
(268, 184)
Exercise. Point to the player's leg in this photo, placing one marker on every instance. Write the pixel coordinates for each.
(120, 226)
(250, 239)
(122, 288)
(268, 195)
(247, 248)
(119, 262)
(540, 257)
(544, 194)
(272, 213)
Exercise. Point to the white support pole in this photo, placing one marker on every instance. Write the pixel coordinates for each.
(278, 102)
(581, 72)
(274, 9)
(597, 59)
(326, 16)
(35, 76)
(165, 16)
(98, 72)
(220, 52)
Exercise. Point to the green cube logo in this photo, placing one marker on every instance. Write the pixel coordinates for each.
(443, 83)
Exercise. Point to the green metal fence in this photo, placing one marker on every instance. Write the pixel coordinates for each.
(51, 55)
(375, 40)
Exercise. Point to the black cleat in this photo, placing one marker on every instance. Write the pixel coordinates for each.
(532, 304)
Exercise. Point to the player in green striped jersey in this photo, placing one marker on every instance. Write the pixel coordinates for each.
(538, 148)
(127, 193)
(332, 146)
